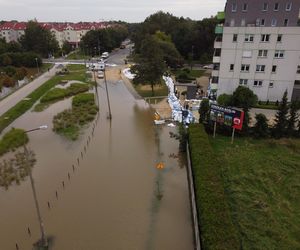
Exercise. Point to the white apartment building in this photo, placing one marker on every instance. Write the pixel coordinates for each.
(258, 46)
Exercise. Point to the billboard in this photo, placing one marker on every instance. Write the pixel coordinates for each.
(228, 116)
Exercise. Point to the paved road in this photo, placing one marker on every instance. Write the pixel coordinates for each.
(20, 94)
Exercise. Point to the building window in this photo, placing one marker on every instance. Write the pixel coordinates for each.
(271, 84)
(262, 22)
(265, 38)
(234, 38)
(249, 37)
(276, 6)
(245, 7)
(243, 81)
(279, 38)
(245, 67)
(285, 22)
(260, 68)
(298, 69)
(262, 53)
(288, 6)
(274, 22)
(234, 7)
(215, 79)
(258, 83)
(265, 7)
(217, 52)
(243, 22)
(279, 54)
(218, 38)
(216, 66)
(274, 67)
(231, 68)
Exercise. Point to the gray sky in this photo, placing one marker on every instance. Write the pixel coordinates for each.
(92, 10)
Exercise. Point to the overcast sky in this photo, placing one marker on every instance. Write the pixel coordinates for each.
(92, 10)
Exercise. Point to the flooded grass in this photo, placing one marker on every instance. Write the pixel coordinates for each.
(57, 94)
(24, 105)
(69, 122)
(12, 140)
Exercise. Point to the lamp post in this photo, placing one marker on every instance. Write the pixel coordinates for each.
(43, 242)
(37, 65)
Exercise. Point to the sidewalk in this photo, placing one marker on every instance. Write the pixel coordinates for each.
(11, 100)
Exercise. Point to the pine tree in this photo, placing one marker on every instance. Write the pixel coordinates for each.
(281, 121)
(261, 128)
(293, 117)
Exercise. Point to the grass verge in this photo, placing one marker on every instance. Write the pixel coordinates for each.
(216, 226)
(69, 122)
(12, 140)
(261, 178)
(57, 94)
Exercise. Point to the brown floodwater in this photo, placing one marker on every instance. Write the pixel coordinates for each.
(115, 198)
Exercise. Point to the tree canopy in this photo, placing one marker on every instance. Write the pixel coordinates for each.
(39, 40)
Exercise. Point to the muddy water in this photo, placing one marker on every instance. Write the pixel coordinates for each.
(115, 198)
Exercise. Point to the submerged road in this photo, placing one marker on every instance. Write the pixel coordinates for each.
(104, 190)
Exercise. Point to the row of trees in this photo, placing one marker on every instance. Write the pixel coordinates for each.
(95, 42)
(193, 39)
(286, 124)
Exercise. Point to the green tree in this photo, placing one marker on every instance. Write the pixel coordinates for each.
(294, 107)
(224, 100)
(150, 63)
(39, 40)
(66, 47)
(281, 121)
(244, 98)
(21, 73)
(261, 127)
(203, 110)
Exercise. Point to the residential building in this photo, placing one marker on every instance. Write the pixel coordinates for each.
(70, 32)
(258, 46)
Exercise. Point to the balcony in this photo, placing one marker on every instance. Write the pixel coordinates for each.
(219, 29)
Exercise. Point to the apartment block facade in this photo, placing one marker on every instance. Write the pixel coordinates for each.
(258, 46)
(70, 32)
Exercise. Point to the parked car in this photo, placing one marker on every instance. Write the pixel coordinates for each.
(105, 55)
(100, 74)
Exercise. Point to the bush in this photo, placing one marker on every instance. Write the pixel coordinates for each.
(225, 100)
(217, 229)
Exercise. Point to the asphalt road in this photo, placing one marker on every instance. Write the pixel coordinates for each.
(11, 100)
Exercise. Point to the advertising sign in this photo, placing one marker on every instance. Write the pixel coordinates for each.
(228, 116)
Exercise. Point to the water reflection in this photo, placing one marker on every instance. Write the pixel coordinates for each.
(108, 197)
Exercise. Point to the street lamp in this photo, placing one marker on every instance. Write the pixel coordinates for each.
(43, 242)
(37, 65)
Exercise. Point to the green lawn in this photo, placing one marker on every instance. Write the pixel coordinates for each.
(260, 180)
(262, 185)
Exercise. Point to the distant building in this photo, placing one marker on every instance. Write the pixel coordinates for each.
(70, 32)
(258, 46)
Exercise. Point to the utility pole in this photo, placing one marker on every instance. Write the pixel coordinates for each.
(108, 102)
(43, 241)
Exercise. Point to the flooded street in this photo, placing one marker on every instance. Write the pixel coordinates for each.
(115, 197)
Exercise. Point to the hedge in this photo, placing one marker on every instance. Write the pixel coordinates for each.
(215, 222)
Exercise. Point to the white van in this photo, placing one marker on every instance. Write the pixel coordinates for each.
(105, 55)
